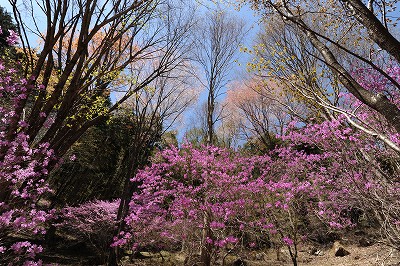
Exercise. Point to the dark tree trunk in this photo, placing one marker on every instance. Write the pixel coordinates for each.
(376, 31)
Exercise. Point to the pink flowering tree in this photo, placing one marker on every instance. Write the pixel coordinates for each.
(190, 198)
(22, 177)
(364, 169)
(92, 223)
(322, 173)
(361, 117)
(212, 198)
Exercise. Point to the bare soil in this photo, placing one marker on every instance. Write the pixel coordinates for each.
(376, 254)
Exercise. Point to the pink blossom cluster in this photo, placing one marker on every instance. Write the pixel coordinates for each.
(373, 81)
(12, 38)
(382, 86)
(237, 194)
(23, 171)
(92, 223)
(363, 168)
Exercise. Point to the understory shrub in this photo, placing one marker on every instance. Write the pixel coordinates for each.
(92, 223)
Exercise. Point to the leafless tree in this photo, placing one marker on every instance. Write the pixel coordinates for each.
(260, 109)
(217, 42)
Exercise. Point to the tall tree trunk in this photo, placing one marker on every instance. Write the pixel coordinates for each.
(210, 114)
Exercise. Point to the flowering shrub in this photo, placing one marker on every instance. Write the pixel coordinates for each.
(365, 170)
(380, 192)
(186, 192)
(191, 190)
(92, 223)
(22, 176)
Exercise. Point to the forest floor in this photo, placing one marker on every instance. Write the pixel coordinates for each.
(376, 254)
(355, 248)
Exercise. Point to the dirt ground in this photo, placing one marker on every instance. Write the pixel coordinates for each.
(376, 254)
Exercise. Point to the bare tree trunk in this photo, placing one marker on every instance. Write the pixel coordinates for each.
(210, 115)
(205, 253)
